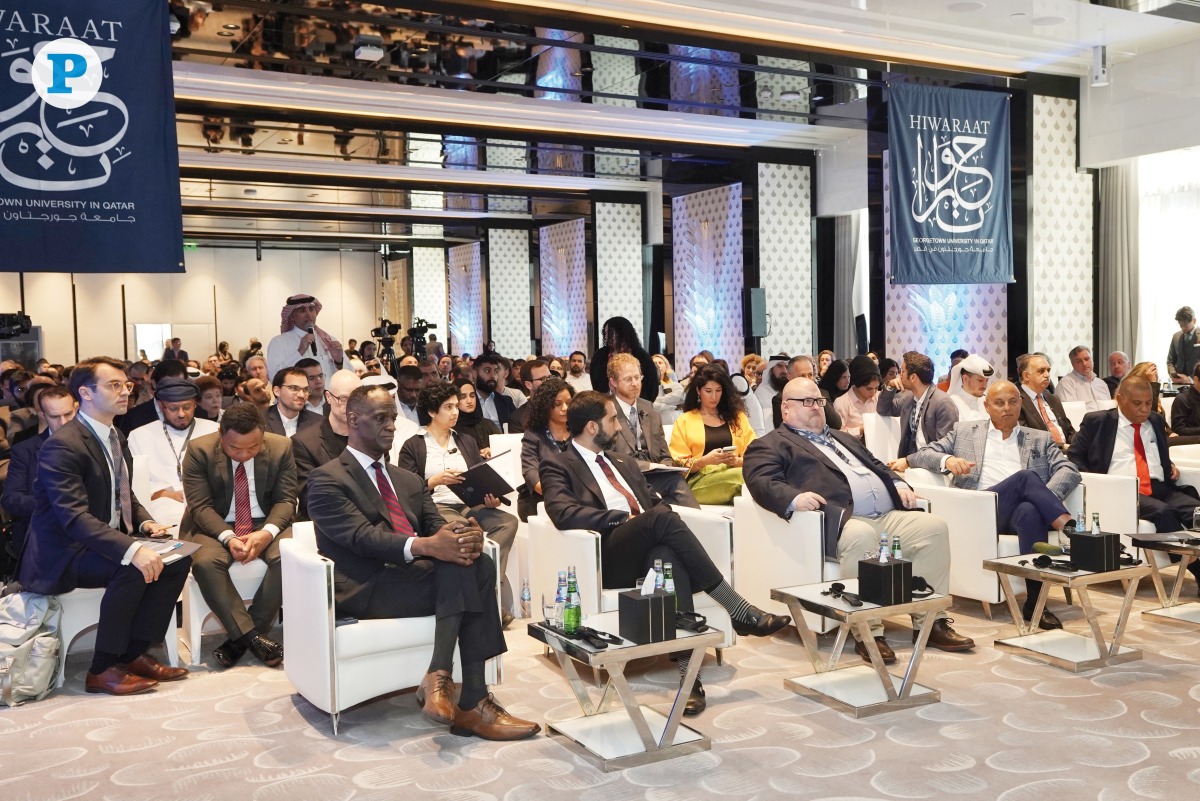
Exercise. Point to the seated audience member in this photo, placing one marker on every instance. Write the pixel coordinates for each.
(85, 533)
(803, 366)
(753, 366)
(289, 413)
(1185, 411)
(641, 435)
(889, 371)
(835, 381)
(409, 360)
(394, 556)
(670, 392)
(926, 413)
(139, 373)
(408, 384)
(211, 366)
(256, 367)
(23, 419)
(1082, 383)
(968, 383)
(774, 376)
(533, 373)
(1026, 470)
(577, 375)
(547, 433)
(556, 367)
(1131, 440)
(824, 359)
(1119, 365)
(316, 445)
(619, 336)
(209, 403)
(316, 386)
(804, 465)
(55, 408)
(256, 392)
(470, 421)
(509, 378)
(230, 376)
(588, 486)
(1149, 371)
(240, 484)
(1040, 408)
(956, 356)
(494, 404)
(440, 455)
(711, 436)
(861, 399)
(445, 367)
(138, 416)
(165, 444)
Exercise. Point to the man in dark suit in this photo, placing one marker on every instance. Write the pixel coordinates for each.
(316, 445)
(395, 556)
(175, 352)
(84, 533)
(926, 413)
(55, 408)
(1040, 409)
(289, 413)
(493, 404)
(533, 373)
(1185, 411)
(804, 367)
(1184, 353)
(1131, 440)
(803, 466)
(641, 435)
(1119, 366)
(588, 486)
(240, 485)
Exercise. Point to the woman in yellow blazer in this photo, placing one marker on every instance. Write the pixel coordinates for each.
(712, 421)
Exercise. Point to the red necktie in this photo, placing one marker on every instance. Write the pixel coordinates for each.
(400, 523)
(243, 520)
(1051, 426)
(634, 509)
(1139, 458)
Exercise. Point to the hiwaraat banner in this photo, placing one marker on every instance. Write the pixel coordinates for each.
(89, 165)
(951, 195)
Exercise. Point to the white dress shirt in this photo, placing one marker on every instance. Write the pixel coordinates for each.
(366, 462)
(487, 407)
(581, 382)
(1123, 462)
(1001, 457)
(1076, 387)
(284, 351)
(290, 424)
(623, 409)
(164, 459)
(612, 498)
(256, 510)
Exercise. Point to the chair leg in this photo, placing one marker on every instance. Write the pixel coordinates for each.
(333, 718)
(987, 610)
(1067, 595)
(720, 656)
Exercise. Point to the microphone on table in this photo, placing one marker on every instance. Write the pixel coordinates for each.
(312, 344)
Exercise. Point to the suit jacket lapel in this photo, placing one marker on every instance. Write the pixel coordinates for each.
(804, 444)
(224, 475)
(626, 433)
(366, 484)
(261, 481)
(584, 473)
(97, 452)
(1108, 439)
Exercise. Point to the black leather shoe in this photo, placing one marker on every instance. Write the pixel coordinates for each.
(885, 651)
(228, 653)
(760, 624)
(269, 652)
(944, 638)
(1048, 621)
(506, 619)
(696, 701)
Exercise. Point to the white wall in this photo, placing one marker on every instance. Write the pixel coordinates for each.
(842, 177)
(249, 296)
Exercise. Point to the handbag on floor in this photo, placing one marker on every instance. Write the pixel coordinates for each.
(30, 642)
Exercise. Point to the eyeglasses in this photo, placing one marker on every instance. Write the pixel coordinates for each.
(296, 388)
(809, 402)
(630, 379)
(115, 386)
(338, 398)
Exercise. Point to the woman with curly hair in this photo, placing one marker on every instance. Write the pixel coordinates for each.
(545, 432)
(711, 436)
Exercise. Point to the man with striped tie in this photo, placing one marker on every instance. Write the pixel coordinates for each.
(395, 556)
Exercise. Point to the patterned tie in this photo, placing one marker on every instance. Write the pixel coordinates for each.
(1051, 425)
(123, 494)
(634, 509)
(633, 426)
(243, 519)
(1139, 459)
(400, 522)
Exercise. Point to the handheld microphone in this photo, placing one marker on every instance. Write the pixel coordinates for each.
(312, 344)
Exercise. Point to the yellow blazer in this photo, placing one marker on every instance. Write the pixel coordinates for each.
(687, 437)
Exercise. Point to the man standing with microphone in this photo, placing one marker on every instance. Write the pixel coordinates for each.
(300, 338)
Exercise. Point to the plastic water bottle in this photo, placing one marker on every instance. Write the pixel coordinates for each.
(560, 598)
(896, 554)
(571, 611)
(658, 575)
(885, 549)
(526, 598)
(1095, 524)
(668, 579)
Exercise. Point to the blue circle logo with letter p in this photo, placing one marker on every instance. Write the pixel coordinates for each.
(67, 73)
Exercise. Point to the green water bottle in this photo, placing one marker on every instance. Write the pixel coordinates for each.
(572, 612)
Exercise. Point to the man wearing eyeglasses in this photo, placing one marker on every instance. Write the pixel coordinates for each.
(316, 445)
(289, 413)
(805, 466)
(533, 373)
(86, 532)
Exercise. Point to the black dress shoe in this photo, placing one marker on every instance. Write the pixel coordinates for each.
(228, 653)
(269, 652)
(1048, 621)
(760, 624)
(696, 701)
(885, 651)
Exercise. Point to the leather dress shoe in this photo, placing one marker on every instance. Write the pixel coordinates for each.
(489, 721)
(228, 653)
(150, 668)
(506, 619)
(1048, 622)
(696, 701)
(117, 681)
(269, 652)
(436, 695)
(760, 624)
(944, 638)
(885, 651)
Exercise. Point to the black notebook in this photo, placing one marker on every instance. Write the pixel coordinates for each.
(481, 480)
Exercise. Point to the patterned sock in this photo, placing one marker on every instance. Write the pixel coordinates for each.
(737, 606)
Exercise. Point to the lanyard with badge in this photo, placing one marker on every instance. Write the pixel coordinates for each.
(182, 450)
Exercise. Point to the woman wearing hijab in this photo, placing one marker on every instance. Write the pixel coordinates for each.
(471, 420)
(836, 379)
(968, 384)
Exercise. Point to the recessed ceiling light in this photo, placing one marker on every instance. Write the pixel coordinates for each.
(229, 26)
(966, 5)
(315, 194)
(224, 33)
(250, 192)
(1018, 15)
(1047, 21)
(285, 141)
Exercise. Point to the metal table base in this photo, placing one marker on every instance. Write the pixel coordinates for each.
(1172, 611)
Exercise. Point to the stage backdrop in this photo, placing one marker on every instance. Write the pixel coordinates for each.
(950, 154)
(706, 233)
(89, 166)
(563, 261)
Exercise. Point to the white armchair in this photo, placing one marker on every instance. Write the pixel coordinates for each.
(336, 667)
(509, 468)
(882, 435)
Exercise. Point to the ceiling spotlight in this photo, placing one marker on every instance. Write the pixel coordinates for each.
(368, 47)
(250, 192)
(229, 26)
(970, 5)
(791, 94)
(224, 33)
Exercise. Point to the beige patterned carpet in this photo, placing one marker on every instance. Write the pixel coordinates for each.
(1006, 728)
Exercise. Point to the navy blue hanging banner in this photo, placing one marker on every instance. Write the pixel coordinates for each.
(951, 203)
(89, 165)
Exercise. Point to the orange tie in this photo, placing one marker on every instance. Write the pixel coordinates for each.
(1051, 426)
(1139, 458)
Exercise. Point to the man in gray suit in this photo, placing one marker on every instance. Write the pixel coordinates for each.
(926, 413)
(1024, 467)
(641, 435)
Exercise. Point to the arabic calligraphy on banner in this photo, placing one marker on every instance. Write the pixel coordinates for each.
(89, 165)
(951, 209)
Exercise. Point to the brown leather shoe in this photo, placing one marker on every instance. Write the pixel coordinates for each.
(150, 668)
(437, 695)
(885, 651)
(117, 681)
(489, 721)
(944, 638)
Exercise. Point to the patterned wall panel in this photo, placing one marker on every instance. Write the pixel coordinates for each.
(564, 287)
(508, 289)
(619, 262)
(777, 84)
(559, 68)
(937, 319)
(464, 267)
(704, 83)
(615, 73)
(506, 155)
(618, 164)
(462, 153)
(1060, 236)
(785, 256)
(429, 286)
(707, 252)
